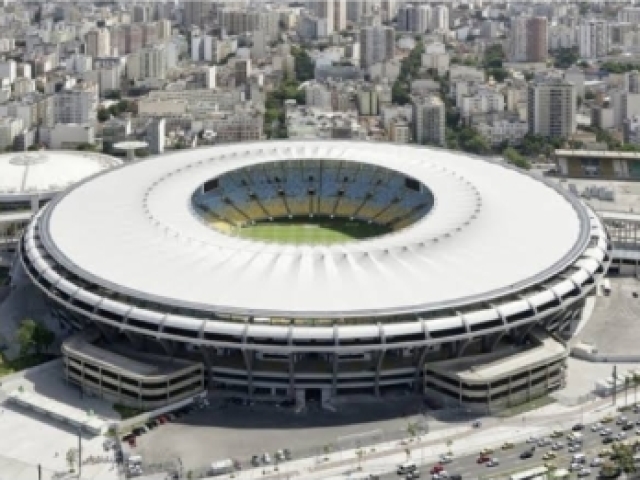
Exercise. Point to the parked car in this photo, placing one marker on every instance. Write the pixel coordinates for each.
(266, 458)
(507, 445)
(549, 456)
(437, 468)
(557, 434)
(577, 427)
(255, 460)
(494, 462)
(585, 472)
(607, 440)
(287, 454)
(526, 454)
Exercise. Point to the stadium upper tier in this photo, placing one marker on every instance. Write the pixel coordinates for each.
(490, 246)
(329, 188)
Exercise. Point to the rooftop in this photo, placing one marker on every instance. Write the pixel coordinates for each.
(47, 172)
(490, 366)
(487, 236)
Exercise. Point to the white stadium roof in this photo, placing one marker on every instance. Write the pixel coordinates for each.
(492, 230)
(47, 172)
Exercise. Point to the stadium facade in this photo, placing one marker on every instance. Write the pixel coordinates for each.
(469, 296)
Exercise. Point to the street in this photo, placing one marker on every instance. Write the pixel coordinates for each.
(510, 461)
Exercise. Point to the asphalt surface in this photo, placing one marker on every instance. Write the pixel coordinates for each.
(510, 462)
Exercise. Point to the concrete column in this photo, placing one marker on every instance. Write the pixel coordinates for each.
(135, 340)
(107, 331)
(248, 362)
(292, 372)
(380, 359)
(208, 364)
(420, 366)
(168, 347)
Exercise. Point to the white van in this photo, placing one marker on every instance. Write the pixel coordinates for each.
(406, 467)
(579, 458)
(575, 437)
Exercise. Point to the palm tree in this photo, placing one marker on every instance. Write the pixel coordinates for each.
(412, 430)
(636, 380)
(449, 443)
(327, 451)
(626, 389)
(360, 454)
(71, 459)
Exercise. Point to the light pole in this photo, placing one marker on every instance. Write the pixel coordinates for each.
(79, 452)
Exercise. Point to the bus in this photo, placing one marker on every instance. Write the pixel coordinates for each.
(534, 473)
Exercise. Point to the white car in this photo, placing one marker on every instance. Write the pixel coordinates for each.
(557, 446)
(596, 462)
(575, 467)
(266, 458)
(440, 475)
(621, 435)
(621, 420)
(605, 431)
(585, 472)
(493, 462)
(534, 439)
(574, 448)
(543, 442)
(446, 458)
(596, 427)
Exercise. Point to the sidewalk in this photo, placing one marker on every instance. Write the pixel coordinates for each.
(384, 457)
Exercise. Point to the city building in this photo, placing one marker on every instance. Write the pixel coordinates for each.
(10, 128)
(98, 42)
(377, 44)
(156, 137)
(320, 328)
(148, 62)
(551, 108)
(593, 39)
(502, 130)
(69, 136)
(436, 58)
(528, 39)
(78, 104)
(428, 118)
(399, 130)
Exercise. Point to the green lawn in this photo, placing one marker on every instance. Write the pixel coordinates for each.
(311, 231)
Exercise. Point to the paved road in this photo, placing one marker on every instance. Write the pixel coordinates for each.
(510, 461)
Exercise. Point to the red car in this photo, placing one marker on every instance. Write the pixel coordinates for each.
(437, 469)
(483, 459)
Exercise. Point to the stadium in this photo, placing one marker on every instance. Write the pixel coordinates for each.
(315, 270)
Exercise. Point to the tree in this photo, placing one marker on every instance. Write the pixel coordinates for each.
(360, 455)
(623, 457)
(304, 65)
(32, 336)
(71, 459)
(514, 158)
(449, 443)
(103, 115)
(626, 390)
(636, 380)
(412, 430)
(25, 336)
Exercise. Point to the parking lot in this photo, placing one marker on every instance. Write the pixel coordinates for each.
(612, 327)
(228, 430)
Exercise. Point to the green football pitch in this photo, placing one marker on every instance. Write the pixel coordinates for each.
(311, 231)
